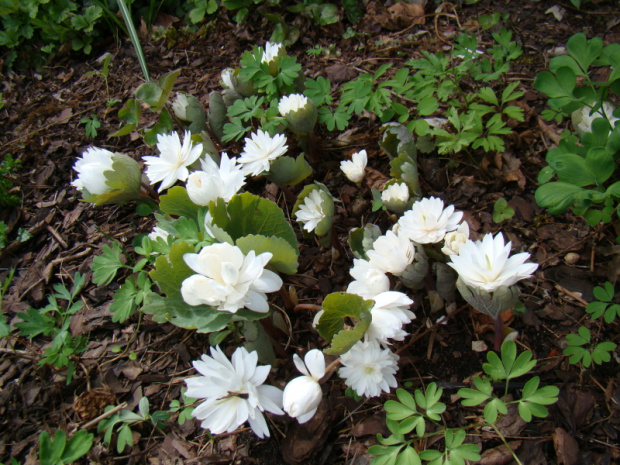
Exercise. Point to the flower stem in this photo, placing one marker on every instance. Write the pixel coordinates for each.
(499, 326)
(501, 436)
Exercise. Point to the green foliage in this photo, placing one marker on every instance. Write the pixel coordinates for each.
(411, 413)
(91, 125)
(587, 180)
(106, 265)
(533, 399)
(5, 329)
(59, 451)
(604, 304)
(54, 320)
(184, 409)
(502, 211)
(582, 350)
(476, 119)
(27, 25)
(337, 307)
(123, 421)
(258, 224)
(8, 167)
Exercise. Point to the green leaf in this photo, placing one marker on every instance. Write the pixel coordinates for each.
(584, 51)
(337, 307)
(285, 257)
(427, 106)
(50, 450)
(289, 171)
(170, 271)
(35, 323)
(203, 318)
(176, 202)
(249, 214)
(557, 197)
(79, 444)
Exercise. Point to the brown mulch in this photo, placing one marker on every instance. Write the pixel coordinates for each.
(40, 126)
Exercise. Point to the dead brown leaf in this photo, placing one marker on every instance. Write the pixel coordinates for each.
(566, 447)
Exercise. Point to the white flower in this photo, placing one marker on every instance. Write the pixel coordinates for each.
(311, 213)
(397, 192)
(582, 120)
(90, 170)
(355, 168)
(292, 103)
(171, 164)
(158, 232)
(303, 394)
(369, 280)
(455, 239)
(428, 222)
(368, 369)
(234, 392)
(228, 79)
(271, 52)
(389, 314)
(259, 150)
(229, 280)
(392, 253)
(214, 181)
(179, 106)
(486, 264)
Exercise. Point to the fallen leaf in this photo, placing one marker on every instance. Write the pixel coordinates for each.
(566, 447)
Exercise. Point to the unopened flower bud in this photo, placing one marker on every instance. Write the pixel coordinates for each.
(299, 111)
(395, 197)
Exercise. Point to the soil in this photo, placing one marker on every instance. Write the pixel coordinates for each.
(41, 127)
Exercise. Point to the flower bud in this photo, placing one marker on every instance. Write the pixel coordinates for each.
(189, 110)
(271, 56)
(395, 197)
(299, 111)
(453, 240)
(106, 177)
(303, 394)
(355, 169)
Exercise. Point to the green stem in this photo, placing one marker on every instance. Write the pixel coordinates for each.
(501, 436)
(133, 35)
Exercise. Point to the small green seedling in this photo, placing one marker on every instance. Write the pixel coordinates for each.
(581, 349)
(502, 211)
(58, 451)
(91, 125)
(605, 305)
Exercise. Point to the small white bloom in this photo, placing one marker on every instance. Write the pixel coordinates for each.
(292, 103)
(486, 264)
(368, 369)
(427, 222)
(455, 239)
(228, 79)
(90, 168)
(303, 394)
(271, 52)
(259, 150)
(171, 164)
(234, 392)
(369, 280)
(397, 192)
(582, 120)
(355, 168)
(229, 280)
(214, 181)
(392, 253)
(158, 232)
(311, 213)
(179, 106)
(389, 314)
